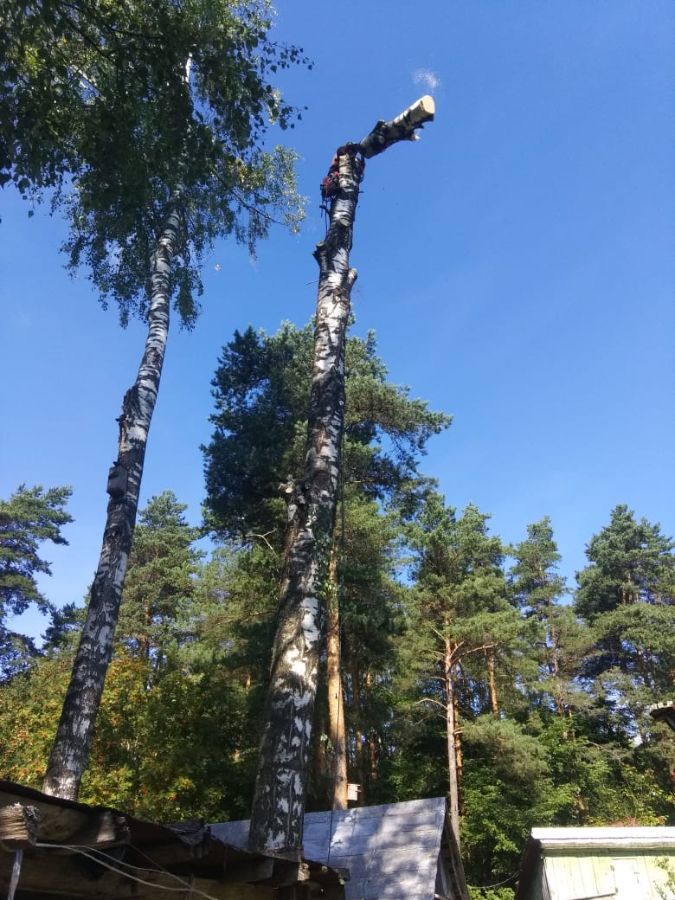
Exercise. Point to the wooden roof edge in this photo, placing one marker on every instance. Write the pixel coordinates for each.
(610, 837)
(27, 818)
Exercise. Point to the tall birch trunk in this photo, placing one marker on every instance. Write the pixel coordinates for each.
(337, 729)
(451, 738)
(280, 793)
(69, 754)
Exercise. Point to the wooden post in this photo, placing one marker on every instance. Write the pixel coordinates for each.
(19, 825)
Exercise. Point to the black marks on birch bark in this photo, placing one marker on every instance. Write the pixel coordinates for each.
(279, 800)
(70, 751)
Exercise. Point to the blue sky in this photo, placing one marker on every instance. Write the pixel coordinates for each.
(517, 265)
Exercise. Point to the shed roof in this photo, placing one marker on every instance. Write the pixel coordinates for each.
(391, 851)
(607, 838)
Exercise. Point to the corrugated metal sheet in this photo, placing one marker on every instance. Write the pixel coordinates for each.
(392, 851)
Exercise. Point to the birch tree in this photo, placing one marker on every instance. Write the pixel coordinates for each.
(280, 793)
(169, 104)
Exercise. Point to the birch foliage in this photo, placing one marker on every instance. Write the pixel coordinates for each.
(130, 110)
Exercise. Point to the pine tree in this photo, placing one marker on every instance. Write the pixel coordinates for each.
(29, 518)
(538, 589)
(629, 562)
(260, 391)
(161, 579)
(626, 594)
(462, 613)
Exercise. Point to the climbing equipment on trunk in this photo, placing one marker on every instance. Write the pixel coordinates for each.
(330, 185)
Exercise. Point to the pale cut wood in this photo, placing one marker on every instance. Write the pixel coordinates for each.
(403, 128)
(19, 825)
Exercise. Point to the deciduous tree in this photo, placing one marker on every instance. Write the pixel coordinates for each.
(174, 102)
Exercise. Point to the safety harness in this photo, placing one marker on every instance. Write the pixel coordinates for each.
(330, 185)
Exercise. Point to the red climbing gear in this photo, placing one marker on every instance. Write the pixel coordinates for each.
(330, 185)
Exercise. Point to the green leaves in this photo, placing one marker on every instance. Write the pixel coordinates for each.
(127, 110)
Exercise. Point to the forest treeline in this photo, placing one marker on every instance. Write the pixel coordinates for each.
(468, 666)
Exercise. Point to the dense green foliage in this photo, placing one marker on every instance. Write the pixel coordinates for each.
(30, 517)
(550, 696)
(130, 110)
(260, 391)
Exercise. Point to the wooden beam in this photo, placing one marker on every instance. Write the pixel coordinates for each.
(105, 829)
(170, 855)
(52, 876)
(287, 873)
(249, 871)
(19, 825)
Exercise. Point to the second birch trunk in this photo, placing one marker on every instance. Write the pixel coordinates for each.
(69, 755)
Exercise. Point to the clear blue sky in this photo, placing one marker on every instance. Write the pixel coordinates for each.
(517, 264)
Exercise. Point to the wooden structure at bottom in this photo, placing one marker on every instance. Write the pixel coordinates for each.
(393, 851)
(53, 848)
(624, 863)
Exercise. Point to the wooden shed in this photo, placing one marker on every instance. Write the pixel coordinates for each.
(590, 863)
(397, 851)
(58, 848)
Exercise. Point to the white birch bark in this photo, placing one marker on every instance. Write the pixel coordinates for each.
(69, 753)
(279, 800)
